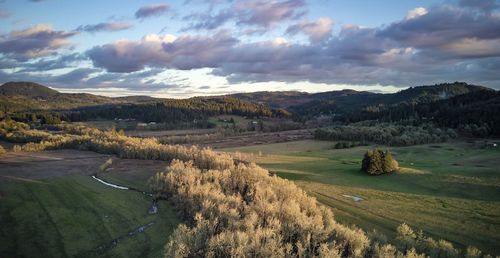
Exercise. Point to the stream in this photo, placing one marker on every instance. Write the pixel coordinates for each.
(152, 210)
(109, 184)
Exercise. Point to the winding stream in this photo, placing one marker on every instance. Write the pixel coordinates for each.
(132, 233)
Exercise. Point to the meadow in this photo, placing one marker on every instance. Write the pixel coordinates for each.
(449, 190)
(77, 216)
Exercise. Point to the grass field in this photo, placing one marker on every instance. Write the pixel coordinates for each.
(450, 190)
(76, 216)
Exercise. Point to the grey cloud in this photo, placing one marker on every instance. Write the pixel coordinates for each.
(73, 78)
(92, 78)
(64, 61)
(185, 52)
(443, 25)
(207, 21)
(267, 13)
(260, 13)
(151, 10)
(317, 31)
(76, 75)
(37, 41)
(105, 26)
(485, 5)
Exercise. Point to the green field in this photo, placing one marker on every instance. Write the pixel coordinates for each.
(449, 190)
(76, 216)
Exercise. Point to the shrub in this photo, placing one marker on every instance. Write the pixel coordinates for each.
(244, 212)
(376, 162)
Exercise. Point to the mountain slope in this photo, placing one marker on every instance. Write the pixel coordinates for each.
(26, 89)
(334, 103)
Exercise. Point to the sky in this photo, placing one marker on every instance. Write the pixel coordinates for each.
(185, 48)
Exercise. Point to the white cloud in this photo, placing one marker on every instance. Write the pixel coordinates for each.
(419, 11)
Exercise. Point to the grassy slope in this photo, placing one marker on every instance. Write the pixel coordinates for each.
(450, 191)
(73, 216)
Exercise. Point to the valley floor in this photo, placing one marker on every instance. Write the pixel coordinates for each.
(449, 190)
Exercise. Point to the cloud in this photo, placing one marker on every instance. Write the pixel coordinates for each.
(448, 29)
(267, 13)
(317, 31)
(419, 11)
(207, 21)
(185, 52)
(260, 13)
(484, 5)
(47, 64)
(151, 11)
(37, 41)
(105, 26)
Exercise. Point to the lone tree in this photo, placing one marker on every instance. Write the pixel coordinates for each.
(378, 162)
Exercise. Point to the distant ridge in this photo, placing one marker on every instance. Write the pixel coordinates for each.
(27, 89)
(34, 95)
(288, 99)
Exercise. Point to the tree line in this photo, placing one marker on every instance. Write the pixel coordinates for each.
(386, 133)
(115, 142)
(474, 113)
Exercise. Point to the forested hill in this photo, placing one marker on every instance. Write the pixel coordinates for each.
(26, 89)
(22, 99)
(339, 104)
(295, 100)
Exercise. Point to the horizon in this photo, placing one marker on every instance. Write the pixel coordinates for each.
(186, 48)
(111, 94)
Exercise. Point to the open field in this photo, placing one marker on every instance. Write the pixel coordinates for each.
(51, 207)
(252, 138)
(160, 133)
(449, 190)
(27, 166)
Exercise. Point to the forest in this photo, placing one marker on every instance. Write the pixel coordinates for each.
(391, 134)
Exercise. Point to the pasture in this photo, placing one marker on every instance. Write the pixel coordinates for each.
(50, 206)
(449, 190)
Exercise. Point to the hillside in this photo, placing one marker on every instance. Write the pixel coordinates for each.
(26, 89)
(353, 101)
(29, 101)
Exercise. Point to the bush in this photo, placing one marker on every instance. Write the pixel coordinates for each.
(2, 150)
(376, 162)
(244, 212)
